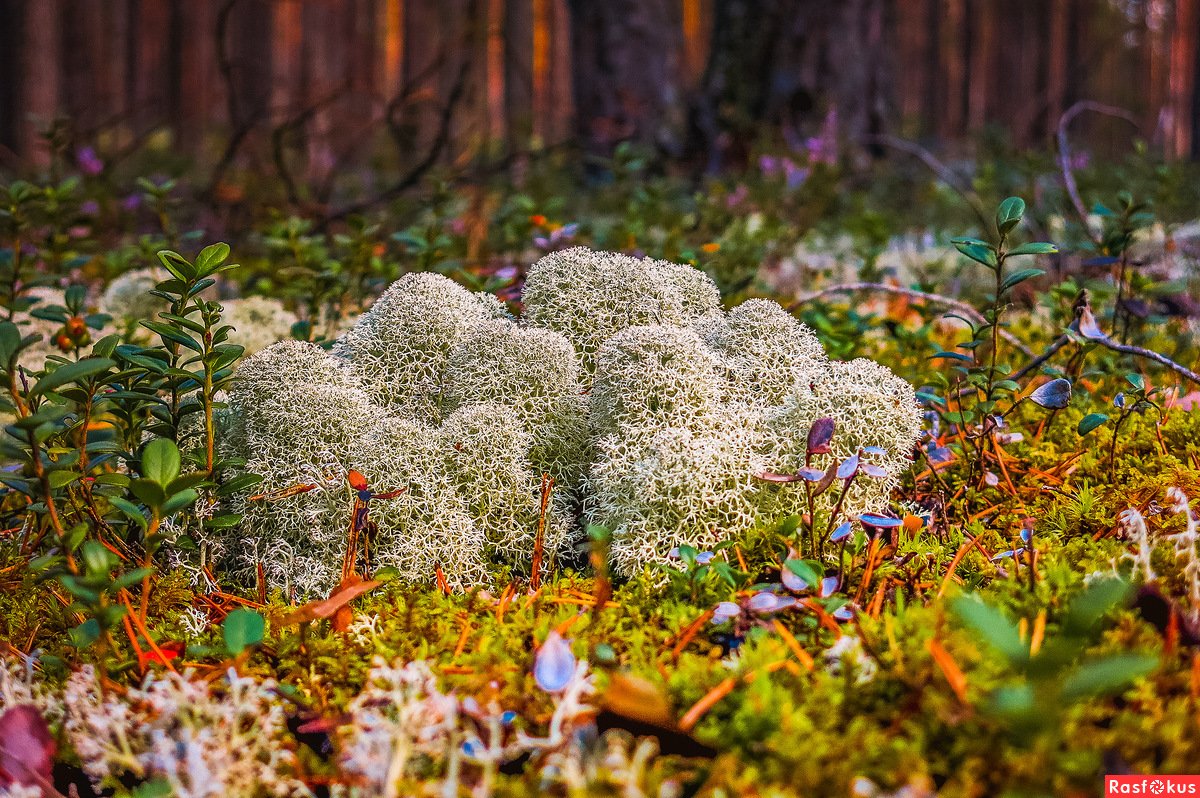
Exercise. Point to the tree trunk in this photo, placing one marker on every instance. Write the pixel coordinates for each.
(797, 66)
(627, 58)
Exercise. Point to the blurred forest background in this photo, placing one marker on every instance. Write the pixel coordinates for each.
(308, 89)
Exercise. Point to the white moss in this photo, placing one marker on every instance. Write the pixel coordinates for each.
(589, 296)
(534, 372)
(128, 299)
(400, 348)
(654, 376)
(257, 322)
(767, 350)
(677, 486)
(870, 406)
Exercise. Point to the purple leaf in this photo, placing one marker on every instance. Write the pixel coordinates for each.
(554, 665)
(843, 613)
(1010, 553)
(26, 747)
(704, 557)
(771, 476)
(874, 450)
(841, 533)
(829, 586)
(1055, 394)
(819, 436)
(848, 467)
(766, 602)
(811, 474)
(726, 611)
(1088, 327)
(872, 470)
(879, 521)
(939, 454)
(793, 582)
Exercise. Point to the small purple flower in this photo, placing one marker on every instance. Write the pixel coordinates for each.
(794, 176)
(737, 196)
(132, 202)
(89, 162)
(89, 207)
(554, 664)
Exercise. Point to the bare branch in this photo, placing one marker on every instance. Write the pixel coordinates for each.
(919, 296)
(1064, 151)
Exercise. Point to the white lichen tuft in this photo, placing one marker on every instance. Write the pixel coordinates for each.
(625, 383)
(400, 348)
(870, 406)
(676, 486)
(128, 299)
(652, 377)
(486, 451)
(768, 351)
(257, 322)
(227, 739)
(534, 372)
(589, 296)
(296, 415)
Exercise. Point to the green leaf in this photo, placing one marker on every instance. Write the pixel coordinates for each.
(130, 578)
(1009, 214)
(210, 258)
(59, 479)
(1106, 675)
(991, 627)
(238, 484)
(804, 570)
(85, 634)
(160, 461)
(10, 341)
(1091, 421)
(177, 265)
(223, 522)
(169, 333)
(952, 356)
(1136, 381)
(184, 498)
(96, 558)
(980, 254)
(72, 372)
(1019, 277)
(149, 491)
(1097, 600)
(129, 509)
(242, 628)
(1034, 248)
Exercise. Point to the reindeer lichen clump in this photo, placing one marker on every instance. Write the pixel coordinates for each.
(625, 387)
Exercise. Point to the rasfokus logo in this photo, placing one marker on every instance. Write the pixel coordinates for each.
(1151, 785)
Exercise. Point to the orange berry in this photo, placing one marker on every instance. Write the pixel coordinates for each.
(537, 220)
(76, 327)
(710, 247)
